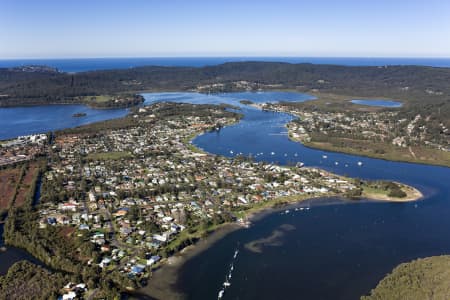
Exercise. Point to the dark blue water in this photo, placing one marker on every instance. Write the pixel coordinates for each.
(337, 251)
(374, 102)
(13, 255)
(16, 121)
(90, 64)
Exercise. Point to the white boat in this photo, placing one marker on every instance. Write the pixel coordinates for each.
(286, 211)
(324, 156)
(220, 294)
(235, 253)
(226, 284)
(336, 163)
(360, 163)
(231, 151)
(272, 153)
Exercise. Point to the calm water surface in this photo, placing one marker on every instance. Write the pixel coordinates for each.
(90, 64)
(374, 102)
(336, 251)
(16, 121)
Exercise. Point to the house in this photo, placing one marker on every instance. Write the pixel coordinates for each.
(153, 260)
(137, 269)
(121, 212)
(83, 227)
(69, 296)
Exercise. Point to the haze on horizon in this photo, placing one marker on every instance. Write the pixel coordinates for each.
(146, 28)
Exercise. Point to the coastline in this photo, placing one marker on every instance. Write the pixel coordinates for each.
(162, 283)
(163, 286)
(317, 146)
(412, 194)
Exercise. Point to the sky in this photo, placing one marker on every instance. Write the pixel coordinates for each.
(148, 28)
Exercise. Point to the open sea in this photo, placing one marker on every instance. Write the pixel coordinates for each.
(91, 64)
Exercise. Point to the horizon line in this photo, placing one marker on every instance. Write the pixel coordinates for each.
(218, 56)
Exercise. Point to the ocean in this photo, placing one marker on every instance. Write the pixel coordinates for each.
(92, 64)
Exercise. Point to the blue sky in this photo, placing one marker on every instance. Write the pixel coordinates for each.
(144, 28)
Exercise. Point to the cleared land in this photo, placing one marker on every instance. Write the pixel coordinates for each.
(26, 185)
(9, 179)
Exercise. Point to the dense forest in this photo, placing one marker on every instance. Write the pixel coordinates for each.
(425, 278)
(18, 86)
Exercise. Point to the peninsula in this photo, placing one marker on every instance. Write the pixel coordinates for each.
(118, 198)
(418, 131)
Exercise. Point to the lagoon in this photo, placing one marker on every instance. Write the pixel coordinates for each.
(17, 121)
(379, 103)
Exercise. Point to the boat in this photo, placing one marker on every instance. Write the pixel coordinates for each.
(79, 115)
(324, 156)
(299, 164)
(220, 294)
(360, 163)
(272, 153)
(235, 253)
(336, 163)
(226, 284)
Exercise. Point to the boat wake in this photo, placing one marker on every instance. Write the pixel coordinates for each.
(228, 277)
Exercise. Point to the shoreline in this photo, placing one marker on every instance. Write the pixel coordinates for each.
(163, 281)
(162, 284)
(412, 194)
(315, 146)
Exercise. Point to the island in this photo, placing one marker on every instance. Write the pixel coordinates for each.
(79, 115)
